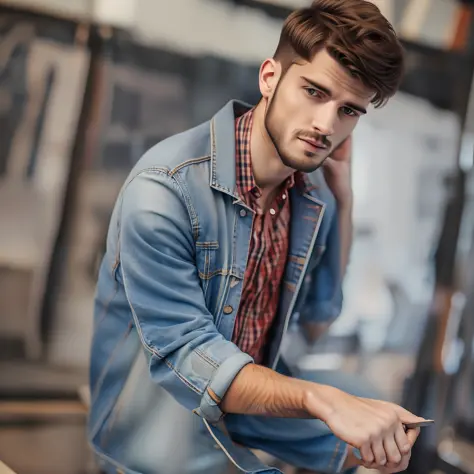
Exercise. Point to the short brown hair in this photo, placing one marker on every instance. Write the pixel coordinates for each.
(355, 33)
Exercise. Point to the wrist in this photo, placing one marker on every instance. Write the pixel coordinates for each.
(317, 401)
(346, 203)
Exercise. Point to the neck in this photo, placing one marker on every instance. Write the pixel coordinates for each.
(268, 169)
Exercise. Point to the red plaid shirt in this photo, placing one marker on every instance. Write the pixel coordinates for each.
(267, 253)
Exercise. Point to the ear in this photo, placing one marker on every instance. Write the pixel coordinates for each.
(269, 75)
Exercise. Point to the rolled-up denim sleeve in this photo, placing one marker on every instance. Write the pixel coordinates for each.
(324, 299)
(187, 355)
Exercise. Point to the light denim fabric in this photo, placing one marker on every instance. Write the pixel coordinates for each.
(169, 289)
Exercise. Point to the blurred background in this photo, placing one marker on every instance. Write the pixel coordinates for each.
(86, 86)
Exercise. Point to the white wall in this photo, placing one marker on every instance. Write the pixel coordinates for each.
(208, 26)
(401, 154)
(192, 26)
(216, 26)
(70, 8)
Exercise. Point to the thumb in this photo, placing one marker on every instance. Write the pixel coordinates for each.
(406, 416)
(412, 435)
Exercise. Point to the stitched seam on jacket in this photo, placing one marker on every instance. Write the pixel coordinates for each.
(186, 163)
(206, 357)
(153, 350)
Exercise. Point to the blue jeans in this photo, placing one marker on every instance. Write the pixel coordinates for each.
(305, 444)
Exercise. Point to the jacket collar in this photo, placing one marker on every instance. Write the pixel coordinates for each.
(223, 176)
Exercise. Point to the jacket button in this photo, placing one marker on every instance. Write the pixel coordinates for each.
(228, 309)
(243, 213)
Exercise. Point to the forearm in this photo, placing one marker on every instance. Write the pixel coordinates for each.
(345, 232)
(257, 390)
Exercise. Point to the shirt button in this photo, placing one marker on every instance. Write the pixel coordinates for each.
(243, 213)
(283, 196)
(228, 309)
(272, 212)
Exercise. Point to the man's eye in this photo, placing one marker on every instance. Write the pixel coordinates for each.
(311, 91)
(349, 112)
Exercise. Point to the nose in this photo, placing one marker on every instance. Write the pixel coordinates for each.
(324, 120)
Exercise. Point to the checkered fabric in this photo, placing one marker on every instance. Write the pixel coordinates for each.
(268, 249)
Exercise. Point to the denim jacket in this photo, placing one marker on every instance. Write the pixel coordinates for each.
(171, 281)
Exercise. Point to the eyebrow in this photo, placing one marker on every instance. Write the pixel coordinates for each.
(329, 93)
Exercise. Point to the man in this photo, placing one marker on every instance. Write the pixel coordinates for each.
(214, 239)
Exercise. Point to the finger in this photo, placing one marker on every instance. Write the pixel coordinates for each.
(412, 435)
(405, 462)
(402, 440)
(391, 468)
(379, 452)
(394, 456)
(400, 467)
(366, 454)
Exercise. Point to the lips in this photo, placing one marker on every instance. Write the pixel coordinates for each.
(314, 143)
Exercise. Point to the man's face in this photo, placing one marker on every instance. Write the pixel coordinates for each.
(311, 109)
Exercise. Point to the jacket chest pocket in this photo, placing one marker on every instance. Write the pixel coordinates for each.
(214, 275)
(209, 267)
(206, 259)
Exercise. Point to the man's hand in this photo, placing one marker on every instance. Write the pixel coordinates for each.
(374, 427)
(353, 460)
(337, 172)
(402, 466)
